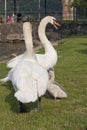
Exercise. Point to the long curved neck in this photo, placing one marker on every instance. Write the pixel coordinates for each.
(42, 35)
(27, 30)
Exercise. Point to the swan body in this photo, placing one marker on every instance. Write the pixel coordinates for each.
(28, 76)
(54, 88)
(47, 60)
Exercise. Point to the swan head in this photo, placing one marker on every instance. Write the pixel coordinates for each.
(52, 20)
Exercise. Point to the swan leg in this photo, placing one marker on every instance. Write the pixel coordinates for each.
(39, 102)
(22, 107)
(38, 106)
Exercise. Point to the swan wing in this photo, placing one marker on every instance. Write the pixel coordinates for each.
(42, 59)
(12, 63)
(24, 83)
(47, 60)
(57, 90)
(41, 75)
(30, 81)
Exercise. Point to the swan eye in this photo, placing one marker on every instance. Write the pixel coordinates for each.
(56, 24)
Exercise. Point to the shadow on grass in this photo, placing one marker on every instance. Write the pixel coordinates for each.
(85, 128)
(48, 96)
(83, 44)
(13, 103)
(10, 99)
(82, 51)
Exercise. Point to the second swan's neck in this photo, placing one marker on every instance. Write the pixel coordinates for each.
(42, 35)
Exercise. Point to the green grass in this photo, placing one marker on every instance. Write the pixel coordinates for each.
(66, 114)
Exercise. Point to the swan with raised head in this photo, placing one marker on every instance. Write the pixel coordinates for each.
(46, 60)
(54, 88)
(28, 78)
(49, 59)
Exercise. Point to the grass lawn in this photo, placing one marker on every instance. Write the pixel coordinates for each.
(65, 114)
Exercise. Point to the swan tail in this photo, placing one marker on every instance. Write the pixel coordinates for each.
(25, 97)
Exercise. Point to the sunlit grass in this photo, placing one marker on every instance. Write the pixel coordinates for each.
(66, 114)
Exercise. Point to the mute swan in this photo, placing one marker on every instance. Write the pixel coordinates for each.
(28, 78)
(46, 60)
(54, 88)
(49, 59)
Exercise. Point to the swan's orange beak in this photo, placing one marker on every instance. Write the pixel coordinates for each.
(56, 24)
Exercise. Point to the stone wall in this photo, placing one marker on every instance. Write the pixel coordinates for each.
(68, 29)
(11, 32)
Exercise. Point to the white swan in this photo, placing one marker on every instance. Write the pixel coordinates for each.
(54, 88)
(46, 60)
(29, 79)
(49, 59)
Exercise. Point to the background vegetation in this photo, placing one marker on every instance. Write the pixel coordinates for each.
(81, 8)
(80, 3)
